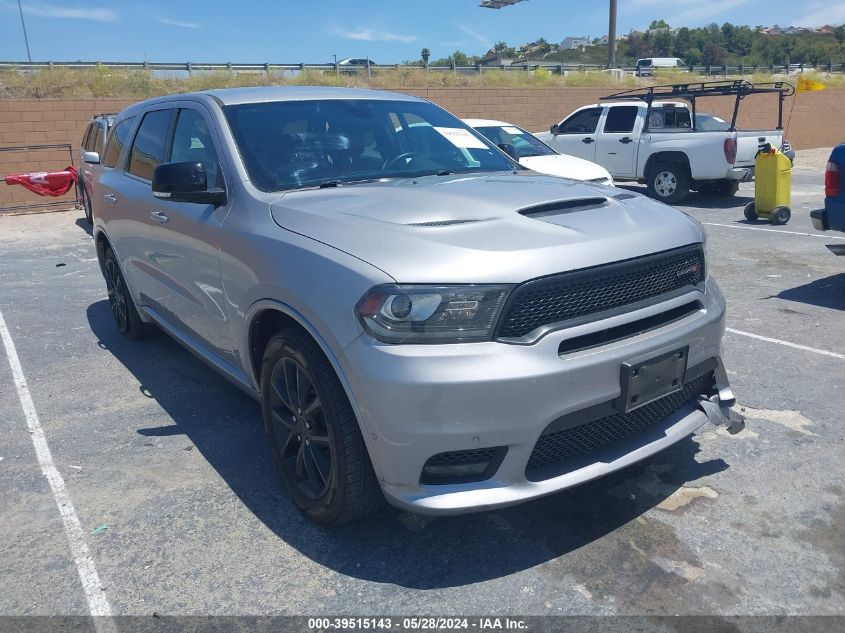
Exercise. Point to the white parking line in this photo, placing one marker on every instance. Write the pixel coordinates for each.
(98, 604)
(760, 228)
(815, 350)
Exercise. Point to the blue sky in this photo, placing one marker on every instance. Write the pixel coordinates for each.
(388, 31)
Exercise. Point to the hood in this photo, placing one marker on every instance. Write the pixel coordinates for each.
(565, 167)
(489, 228)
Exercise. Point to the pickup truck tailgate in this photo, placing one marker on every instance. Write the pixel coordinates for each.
(748, 142)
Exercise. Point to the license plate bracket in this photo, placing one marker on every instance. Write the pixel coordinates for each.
(645, 380)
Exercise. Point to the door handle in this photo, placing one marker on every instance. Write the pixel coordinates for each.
(626, 140)
(587, 140)
(158, 216)
(110, 198)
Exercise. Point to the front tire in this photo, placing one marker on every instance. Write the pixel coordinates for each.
(314, 436)
(668, 182)
(122, 307)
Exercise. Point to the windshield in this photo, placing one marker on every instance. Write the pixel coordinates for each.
(526, 144)
(294, 144)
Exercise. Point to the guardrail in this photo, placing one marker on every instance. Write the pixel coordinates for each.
(270, 68)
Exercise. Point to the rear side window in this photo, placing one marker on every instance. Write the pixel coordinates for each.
(98, 140)
(583, 122)
(148, 149)
(86, 138)
(117, 141)
(621, 119)
(669, 117)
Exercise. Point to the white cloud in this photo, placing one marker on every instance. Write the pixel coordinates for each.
(183, 25)
(691, 11)
(478, 37)
(821, 14)
(72, 13)
(700, 12)
(372, 35)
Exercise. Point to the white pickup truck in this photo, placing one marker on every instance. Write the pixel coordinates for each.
(659, 146)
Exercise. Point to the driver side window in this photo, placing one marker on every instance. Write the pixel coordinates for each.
(192, 143)
(583, 122)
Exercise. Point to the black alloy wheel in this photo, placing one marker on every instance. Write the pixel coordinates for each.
(299, 434)
(117, 295)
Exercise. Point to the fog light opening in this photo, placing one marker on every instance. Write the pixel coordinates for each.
(462, 466)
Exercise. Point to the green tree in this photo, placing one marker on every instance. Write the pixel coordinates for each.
(682, 43)
(425, 54)
(658, 24)
(714, 54)
(661, 44)
(460, 58)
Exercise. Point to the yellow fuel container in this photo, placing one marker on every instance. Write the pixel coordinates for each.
(772, 188)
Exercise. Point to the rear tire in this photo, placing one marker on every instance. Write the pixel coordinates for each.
(668, 182)
(781, 215)
(86, 205)
(727, 188)
(314, 436)
(122, 307)
(750, 212)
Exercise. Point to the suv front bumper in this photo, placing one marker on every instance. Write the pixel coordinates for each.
(417, 401)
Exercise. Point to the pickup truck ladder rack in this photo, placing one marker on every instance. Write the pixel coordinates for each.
(738, 88)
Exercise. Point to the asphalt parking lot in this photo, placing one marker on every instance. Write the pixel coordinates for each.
(180, 513)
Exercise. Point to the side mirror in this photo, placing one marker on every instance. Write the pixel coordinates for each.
(555, 129)
(185, 182)
(510, 150)
(92, 158)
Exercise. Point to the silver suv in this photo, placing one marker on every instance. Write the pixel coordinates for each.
(422, 319)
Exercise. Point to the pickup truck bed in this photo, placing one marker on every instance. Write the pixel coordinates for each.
(665, 152)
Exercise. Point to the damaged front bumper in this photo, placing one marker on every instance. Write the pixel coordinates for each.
(719, 407)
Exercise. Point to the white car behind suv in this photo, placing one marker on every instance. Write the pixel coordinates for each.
(534, 154)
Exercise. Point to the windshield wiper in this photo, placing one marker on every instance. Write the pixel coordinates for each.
(445, 172)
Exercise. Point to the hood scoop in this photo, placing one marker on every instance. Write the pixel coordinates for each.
(563, 206)
(444, 222)
(625, 196)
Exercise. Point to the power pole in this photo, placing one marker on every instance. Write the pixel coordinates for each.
(611, 36)
(25, 37)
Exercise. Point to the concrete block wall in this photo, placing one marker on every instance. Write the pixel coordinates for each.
(817, 119)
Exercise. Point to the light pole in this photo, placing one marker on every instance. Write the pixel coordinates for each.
(611, 35)
(25, 37)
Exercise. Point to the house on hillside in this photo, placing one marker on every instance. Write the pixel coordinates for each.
(571, 43)
(602, 41)
(827, 29)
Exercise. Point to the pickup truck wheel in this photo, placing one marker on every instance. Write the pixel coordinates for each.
(315, 439)
(122, 307)
(668, 182)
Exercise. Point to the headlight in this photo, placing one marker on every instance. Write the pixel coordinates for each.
(431, 314)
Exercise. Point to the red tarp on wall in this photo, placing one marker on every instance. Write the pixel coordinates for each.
(46, 183)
